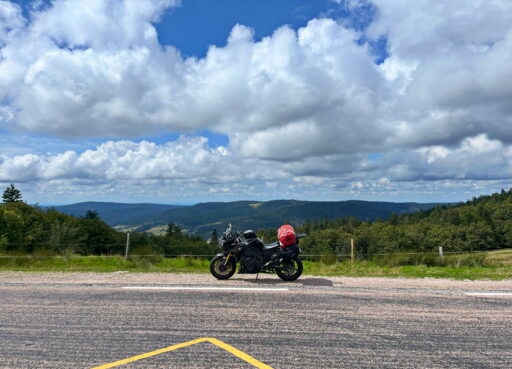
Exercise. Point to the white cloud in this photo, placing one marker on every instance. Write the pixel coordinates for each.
(452, 58)
(191, 159)
(100, 25)
(475, 158)
(186, 158)
(68, 81)
(90, 68)
(307, 104)
(95, 68)
(11, 21)
(426, 30)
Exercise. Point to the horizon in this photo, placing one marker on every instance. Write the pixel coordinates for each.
(186, 101)
(243, 200)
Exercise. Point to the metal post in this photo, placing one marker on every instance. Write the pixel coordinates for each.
(127, 245)
(352, 249)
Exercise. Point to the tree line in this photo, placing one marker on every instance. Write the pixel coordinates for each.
(483, 223)
(26, 229)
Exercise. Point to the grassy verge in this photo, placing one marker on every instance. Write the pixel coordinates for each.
(103, 264)
(491, 266)
(372, 269)
(501, 257)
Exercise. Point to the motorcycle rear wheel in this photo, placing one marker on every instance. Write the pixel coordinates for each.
(291, 270)
(222, 270)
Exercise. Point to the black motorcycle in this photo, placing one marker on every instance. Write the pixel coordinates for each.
(255, 257)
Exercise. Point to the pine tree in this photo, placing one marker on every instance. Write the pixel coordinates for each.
(214, 237)
(173, 230)
(91, 214)
(11, 194)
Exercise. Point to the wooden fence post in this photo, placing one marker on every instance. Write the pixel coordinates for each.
(352, 250)
(127, 245)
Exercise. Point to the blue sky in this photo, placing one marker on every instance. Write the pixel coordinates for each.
(197, 24)
(185, 101)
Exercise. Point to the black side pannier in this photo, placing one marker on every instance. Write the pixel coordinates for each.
(287, 253)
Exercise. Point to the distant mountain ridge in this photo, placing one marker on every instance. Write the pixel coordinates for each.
(114, 213)
(202, 218)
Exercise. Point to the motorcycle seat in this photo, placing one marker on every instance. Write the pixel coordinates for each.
(270, 246)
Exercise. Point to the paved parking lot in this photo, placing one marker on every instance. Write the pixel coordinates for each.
(74, 321)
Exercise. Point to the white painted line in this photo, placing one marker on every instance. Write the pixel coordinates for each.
(204, 288)
(488, 293)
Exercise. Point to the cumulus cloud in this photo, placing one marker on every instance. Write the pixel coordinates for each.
(185, 158)
(77, 83)
(192, 159)
(89, 68)
(11, 21)
(308, 104)
(451, 60)
(95, 68)
(476, 158)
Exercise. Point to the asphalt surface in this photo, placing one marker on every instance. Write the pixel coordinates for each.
(311, 325)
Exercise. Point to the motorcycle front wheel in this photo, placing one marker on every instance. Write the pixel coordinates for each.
(291, 270)
(220, 269)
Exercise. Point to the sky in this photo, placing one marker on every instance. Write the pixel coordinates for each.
(187, 101)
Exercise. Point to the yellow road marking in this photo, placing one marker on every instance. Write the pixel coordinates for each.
(149, 354)
(216, 342)
(238, 353)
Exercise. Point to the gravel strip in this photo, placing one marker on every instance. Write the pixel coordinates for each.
(127, 278)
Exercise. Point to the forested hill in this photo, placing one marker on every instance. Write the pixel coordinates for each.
(114, 213)
(482, 223)
(26, 229)
(202, 218)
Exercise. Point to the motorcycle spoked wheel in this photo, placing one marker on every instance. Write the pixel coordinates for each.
(222, 270)
(291, 270)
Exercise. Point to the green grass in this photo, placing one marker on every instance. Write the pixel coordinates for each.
(372, 269)
(502, 257)
(103, 264)
(493, 265)
(496, 265)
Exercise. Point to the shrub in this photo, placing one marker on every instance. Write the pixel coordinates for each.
(328, 257)
(432, 260)
(467, 260)
(145, 257)
(41, 253)
(15, 260)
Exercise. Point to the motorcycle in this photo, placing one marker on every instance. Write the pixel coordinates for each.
(255, 257)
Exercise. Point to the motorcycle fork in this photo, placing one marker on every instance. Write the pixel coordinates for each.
(227, 259)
